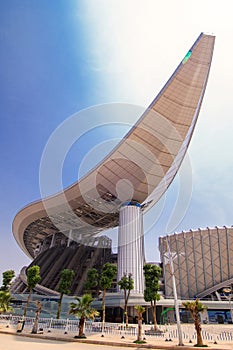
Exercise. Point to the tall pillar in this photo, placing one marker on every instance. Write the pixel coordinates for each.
(131, 256)
(69, 238)
(53, 240)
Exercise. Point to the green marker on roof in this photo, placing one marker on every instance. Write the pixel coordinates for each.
(186, 57)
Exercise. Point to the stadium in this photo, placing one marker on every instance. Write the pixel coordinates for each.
(64, 230)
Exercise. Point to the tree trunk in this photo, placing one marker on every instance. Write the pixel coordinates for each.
(59, 306)
(103, 309)
(198, 330)
(27, 303)
(153, 305)
(126, 316)
(81, 327)
(139, 330)
(126, 310)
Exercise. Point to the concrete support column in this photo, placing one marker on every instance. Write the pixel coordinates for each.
(52, 240)
(131, 256)
(69, 238)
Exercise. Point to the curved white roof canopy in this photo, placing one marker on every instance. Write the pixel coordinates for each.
(149, 156)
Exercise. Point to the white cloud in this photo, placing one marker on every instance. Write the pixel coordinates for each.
(138, 44)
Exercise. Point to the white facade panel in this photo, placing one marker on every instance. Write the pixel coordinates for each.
(131, 256)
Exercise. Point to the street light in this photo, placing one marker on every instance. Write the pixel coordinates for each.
(170, 256)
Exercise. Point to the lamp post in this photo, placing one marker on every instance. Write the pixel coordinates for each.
(170, 256)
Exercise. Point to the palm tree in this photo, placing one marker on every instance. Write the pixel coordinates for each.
(140, 310)
(194, 308)
(83, 310)
(5, 299)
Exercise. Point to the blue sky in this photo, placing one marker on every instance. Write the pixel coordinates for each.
(60, 56)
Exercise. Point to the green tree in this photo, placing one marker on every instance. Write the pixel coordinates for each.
(152, 274)
(7, 277)
(195, 307)
(83, 310)
(91, 280)
(140, 310)
(126, 284)
(5, 295)
(66, 280)
(5, 299)
(33, 277)
(107, 276)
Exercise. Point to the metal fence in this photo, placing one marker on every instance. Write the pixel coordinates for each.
(68, 325)
(210, 333)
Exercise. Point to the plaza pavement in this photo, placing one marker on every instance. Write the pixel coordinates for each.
(11, 340)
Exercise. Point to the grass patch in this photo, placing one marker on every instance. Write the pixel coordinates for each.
(139, 341)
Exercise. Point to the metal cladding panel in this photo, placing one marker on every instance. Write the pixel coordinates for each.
(179, 104)
(140, 168)
(131, 257)
(203, 261)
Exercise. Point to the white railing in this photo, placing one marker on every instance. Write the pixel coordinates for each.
(45, 324)
(210, 333)
(70, 326)
(114, 328)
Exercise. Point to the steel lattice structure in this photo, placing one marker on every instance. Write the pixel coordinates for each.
(203, 261)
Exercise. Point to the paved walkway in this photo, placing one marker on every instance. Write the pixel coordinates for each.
(11, 340)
